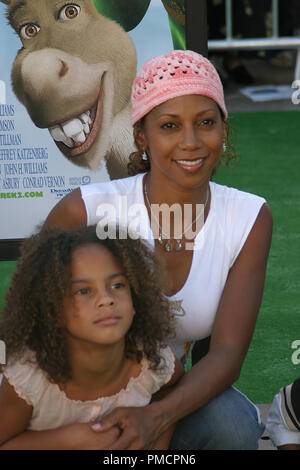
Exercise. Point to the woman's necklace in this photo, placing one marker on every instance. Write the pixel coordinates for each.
(168, 246)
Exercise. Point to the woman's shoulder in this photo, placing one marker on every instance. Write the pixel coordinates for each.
(119, 186)
(231, 203)
(226, 193)
(72, 211)
(68, 213)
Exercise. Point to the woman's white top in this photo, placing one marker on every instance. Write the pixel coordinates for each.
(231, 216)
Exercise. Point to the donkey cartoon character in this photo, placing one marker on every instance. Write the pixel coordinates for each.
(74, 75)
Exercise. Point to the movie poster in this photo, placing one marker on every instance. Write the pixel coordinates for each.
(65, 95)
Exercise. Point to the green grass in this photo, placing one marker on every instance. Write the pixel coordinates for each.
(268, 144)
(6, 271)
(269, 148)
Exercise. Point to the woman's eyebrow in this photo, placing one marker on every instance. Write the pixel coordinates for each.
(198, 114)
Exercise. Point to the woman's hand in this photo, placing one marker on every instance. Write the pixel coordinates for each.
(139, 427)
(81, 436)
(143, 427)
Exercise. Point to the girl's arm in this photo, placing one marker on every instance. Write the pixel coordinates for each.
(73, 437)
(15, 413)
(232, 332)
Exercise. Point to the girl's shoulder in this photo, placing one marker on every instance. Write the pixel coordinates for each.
(24, 374)
(149, 380)
(162, 374)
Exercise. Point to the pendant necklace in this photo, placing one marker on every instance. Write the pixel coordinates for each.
(168, 246)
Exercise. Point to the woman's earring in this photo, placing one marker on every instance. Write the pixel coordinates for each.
(144, 156)
(224, 147)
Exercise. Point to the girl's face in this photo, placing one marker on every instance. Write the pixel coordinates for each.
(184, 137)
(99, 307)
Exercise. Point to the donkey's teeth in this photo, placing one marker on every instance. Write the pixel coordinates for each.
(79, 138)
(68, 142)
(86, 128)
(72, 127)
(57, 133)
(73, 131)
(84, 117)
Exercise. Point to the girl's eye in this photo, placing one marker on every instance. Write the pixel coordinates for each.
(118, 285)
(82, 291)
(69, 12)
(29, 31)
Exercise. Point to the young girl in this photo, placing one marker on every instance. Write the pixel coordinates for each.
(83, 325)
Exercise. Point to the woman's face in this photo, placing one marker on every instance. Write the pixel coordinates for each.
(184, 138)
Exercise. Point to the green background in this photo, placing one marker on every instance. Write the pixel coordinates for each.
(268, 145)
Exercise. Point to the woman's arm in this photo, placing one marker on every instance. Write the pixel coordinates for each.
(162, 443)
(69, 212)
(230, 339)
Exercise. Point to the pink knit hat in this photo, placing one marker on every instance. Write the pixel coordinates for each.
(175, 74)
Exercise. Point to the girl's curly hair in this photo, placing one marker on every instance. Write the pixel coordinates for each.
(31, 317)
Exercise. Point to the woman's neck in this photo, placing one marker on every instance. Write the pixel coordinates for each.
(175, 207)
(169, 192)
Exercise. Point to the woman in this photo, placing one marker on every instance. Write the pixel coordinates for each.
(179, 119)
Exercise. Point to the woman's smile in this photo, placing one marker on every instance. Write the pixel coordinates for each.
(191, 165)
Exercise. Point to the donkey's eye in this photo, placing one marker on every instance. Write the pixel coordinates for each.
(69, 12)
(29, 31)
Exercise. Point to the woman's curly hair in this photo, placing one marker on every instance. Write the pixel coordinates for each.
(31, 318)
